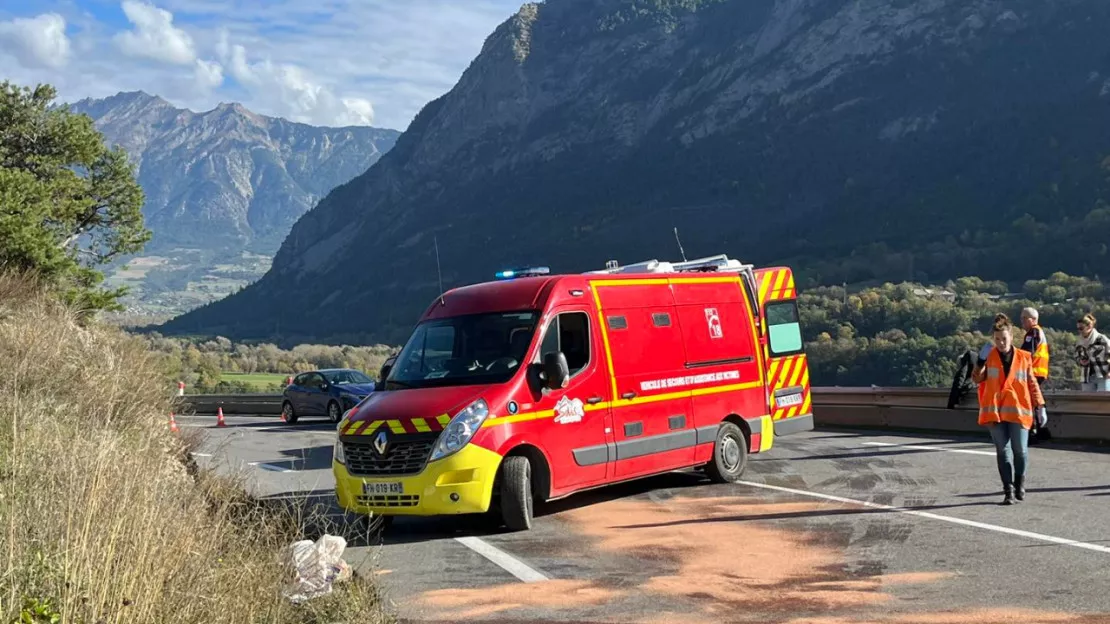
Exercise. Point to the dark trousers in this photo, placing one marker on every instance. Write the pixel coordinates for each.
(1007, 435)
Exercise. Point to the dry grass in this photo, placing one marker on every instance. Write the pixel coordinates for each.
(99, 517)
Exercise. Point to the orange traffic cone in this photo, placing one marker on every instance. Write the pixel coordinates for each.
(220, 417)
(173, 423)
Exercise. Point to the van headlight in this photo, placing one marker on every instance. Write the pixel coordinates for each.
(337, 452)
(461, 429)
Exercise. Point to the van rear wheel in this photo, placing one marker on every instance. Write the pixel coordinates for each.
(516, 493)
(730, 455)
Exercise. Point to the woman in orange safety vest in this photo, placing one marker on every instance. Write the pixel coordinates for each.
(1009, 400)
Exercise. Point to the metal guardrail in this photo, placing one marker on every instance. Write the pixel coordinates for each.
(264, 404)
(1072, 415)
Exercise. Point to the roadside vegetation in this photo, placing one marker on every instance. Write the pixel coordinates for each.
(887, 335)
(913, 335)
(221, 366)
(104, 516)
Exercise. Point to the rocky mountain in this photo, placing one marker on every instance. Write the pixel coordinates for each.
(855, 139)
(229, 177)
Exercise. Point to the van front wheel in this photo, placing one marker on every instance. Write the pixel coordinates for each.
(516, 493)
(730, 455)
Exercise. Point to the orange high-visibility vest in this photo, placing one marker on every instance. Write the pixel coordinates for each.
(1040, 355)
(1008, 399)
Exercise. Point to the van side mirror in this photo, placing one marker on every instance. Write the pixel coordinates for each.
(555, 369)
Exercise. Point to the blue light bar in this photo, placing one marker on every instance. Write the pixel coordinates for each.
(526, 272)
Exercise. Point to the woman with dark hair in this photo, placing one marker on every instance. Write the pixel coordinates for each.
(1009, 400)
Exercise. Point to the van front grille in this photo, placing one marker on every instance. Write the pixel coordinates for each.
(390, 500)
(404, 454)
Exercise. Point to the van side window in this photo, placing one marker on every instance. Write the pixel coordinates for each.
(784, 329)
(569, 332)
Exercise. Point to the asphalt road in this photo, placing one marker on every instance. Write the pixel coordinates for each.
(829, 527)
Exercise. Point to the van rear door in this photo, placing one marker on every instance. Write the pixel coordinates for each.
(787, 367)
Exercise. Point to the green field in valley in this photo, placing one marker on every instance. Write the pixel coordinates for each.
(259, 381)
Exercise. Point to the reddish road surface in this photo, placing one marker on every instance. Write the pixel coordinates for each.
(829, 528)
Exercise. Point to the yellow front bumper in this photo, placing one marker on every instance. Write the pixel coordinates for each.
(459, 484)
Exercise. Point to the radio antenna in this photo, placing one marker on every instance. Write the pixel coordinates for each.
(439, 271)
(680, 250)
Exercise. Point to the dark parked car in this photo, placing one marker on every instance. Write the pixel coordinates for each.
(329, 392)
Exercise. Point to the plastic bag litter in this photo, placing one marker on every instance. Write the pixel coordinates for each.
(317, 565)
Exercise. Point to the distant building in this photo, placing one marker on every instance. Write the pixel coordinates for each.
(935, 293)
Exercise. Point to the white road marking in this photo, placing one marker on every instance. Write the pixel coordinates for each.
(929, 448)
(270, 467)
(201, 455)
(924, 514)
(509, 563)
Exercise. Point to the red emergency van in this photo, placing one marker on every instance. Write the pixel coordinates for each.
(533, 387)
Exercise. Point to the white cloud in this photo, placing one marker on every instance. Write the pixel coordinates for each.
(36, 42)
(208, 75)
(292, 92)
(154, 35)
(331, 62)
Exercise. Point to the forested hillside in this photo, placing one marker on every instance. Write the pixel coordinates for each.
(854, 140)
(910, 335)
(891, 335)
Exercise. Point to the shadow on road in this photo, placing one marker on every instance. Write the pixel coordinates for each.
(1053, 489)
(307, 458)
(415, 529)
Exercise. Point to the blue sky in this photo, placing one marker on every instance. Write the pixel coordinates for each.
(325, 62)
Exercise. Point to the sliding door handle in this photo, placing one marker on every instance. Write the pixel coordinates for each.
(594, 400)
(628, 395)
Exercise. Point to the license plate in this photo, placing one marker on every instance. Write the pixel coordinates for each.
(383, 488)
(788, 400)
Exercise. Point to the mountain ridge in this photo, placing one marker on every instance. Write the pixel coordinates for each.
(223, 187)
(854, 139)
(246, 174)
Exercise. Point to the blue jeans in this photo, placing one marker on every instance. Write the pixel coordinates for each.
(1009, 435)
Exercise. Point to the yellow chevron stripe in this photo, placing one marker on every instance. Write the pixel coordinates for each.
(421, 425)
(371, 428)
(443, 420)
(792, 412)
(774, 369)
(395, 426)
(765, 285)
(780, 278)
(798, 371)
(784, 374)
(790, 280)
(806, 404)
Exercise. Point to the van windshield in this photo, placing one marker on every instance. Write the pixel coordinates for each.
(464, 350)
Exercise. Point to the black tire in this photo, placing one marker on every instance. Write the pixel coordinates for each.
(730, 455)
(516, 493)
(334, 413)
(288, 413)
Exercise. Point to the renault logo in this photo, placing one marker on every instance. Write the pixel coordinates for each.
(381, 442)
